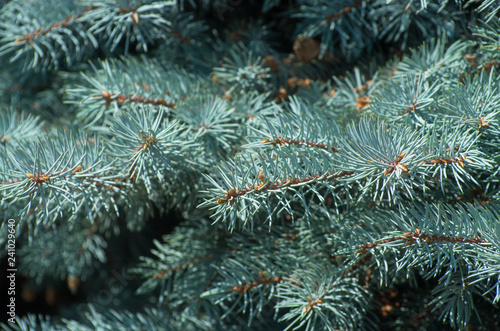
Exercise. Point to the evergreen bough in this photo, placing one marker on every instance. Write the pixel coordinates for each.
(214, 165)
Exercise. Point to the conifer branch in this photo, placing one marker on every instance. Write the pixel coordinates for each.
(29, 38)
(353, 179)
(108, 97)
(263, 280)
(417, 237)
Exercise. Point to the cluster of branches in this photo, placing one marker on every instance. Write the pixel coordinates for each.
(347, 185)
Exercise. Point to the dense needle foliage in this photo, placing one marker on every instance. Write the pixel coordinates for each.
(251, 165)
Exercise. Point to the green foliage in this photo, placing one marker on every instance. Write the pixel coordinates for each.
(229, 165)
